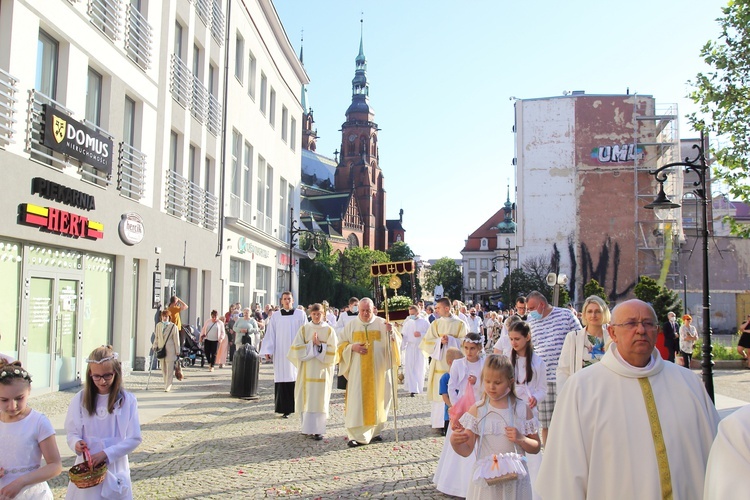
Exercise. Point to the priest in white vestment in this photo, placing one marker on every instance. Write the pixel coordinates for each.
(630, 426)
(281, 328)
(728, 471)
(446, 331)
(313, 353)
(415, 362)
(369, 368)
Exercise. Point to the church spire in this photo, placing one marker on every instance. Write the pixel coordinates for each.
(303, 98)
(507, 226)
(359, 83)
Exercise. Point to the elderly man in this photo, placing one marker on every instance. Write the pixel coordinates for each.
(415, 362)
(281, 328)
(549, 326)
(368, 366)
(630, 426)
(446, 331)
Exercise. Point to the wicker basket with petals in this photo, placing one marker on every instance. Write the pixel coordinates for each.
(85, 475)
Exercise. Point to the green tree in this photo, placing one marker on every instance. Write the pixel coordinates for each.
(355, 263)
(723, 96)
(667, 300)
(316, 282)
(447, 273)
(594, 288)
(647, 289)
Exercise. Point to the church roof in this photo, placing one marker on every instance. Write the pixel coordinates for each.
(327, 205)
(318, 171)
(394, 225)
(488, 229)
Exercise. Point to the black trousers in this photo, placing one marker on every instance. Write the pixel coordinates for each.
(210, 347)
(284, 397)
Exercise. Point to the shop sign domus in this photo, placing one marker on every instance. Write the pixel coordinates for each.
(70, 137)
(131, 228)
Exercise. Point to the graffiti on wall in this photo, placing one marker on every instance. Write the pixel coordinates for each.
(604, 268)
(617, 153)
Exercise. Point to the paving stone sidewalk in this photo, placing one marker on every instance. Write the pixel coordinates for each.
(200, 443)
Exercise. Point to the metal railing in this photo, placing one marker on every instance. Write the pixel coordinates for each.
(175, 202)
(138, 36)
(105, 15)
(35, 130)
(131, 172)
(8, 100)
(195, 201)
(180, 83)
(203, 9)
(199, 104)
(88, 172)
(214, 115)
(211, 213)
(217, 22)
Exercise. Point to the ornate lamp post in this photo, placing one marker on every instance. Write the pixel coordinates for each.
(700, 167)
(294, 230)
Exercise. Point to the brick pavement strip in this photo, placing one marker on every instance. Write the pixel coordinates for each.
(222, 447)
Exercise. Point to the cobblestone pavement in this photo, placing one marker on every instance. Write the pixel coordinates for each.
(222, 447)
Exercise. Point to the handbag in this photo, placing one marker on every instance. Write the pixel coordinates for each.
(499, 467)
(178, 371)
(162, 353)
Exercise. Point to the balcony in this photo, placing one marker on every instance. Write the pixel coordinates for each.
(199, 104)
(188, 201)
(35, 128)
(138, 36)
(203, 9)
(105, 15)
(217, 22)
(180, 82)
(214, 115)
(8, 100)
(131, 172)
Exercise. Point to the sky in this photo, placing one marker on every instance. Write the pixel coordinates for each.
(443, 75)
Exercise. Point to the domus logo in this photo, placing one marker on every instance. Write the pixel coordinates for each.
(58, 128)
(72, 138)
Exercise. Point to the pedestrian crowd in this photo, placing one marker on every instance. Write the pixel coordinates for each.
(592, 401)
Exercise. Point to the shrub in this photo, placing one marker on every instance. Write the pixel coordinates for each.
(719, 351)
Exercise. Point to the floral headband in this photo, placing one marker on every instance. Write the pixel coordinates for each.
(103, 360)
(477, 341)
(14, 372)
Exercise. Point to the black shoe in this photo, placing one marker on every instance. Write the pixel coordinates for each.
(318, 437)
(442, 432)
(353, 444)
(412, 394)
(377, 439)
(285, 415)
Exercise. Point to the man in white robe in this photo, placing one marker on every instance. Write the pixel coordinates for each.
(344, 318)
(728, 470)
(281, 328)
(415, 362)
(446, 331)
(313, 353)
(369, 367)
(630, 426)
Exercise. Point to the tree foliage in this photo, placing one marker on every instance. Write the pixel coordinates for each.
(723, 96)
(354, 266)
(647, 289)
(594, 288)
(447, 273)
(410, 286)
(661, 298)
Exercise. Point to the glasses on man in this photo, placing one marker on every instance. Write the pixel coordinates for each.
(648, 324)
(104, 376)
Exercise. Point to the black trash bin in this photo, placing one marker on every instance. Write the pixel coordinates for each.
(245, 371)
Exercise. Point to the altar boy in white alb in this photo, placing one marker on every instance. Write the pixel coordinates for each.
(281, 329)
(415, 362)
(313, 352)
(632, 425)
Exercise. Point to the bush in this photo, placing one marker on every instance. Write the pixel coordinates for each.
(719, 351)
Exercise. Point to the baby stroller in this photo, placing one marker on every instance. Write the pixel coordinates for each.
(191, 350)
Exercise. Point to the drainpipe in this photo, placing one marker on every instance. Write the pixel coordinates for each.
(222, 171)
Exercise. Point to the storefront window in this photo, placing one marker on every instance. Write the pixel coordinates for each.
(10, 297)
(177, 282)
(282, 283)
(263, 284)
(97, 302)
(236, 280)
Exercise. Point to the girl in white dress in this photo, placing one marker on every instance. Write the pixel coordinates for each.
(499, 430)
(531, 372)
(26, 436)
(103, 418)
(452, 472)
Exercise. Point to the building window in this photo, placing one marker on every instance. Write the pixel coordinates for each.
(483, 281)
(46, 65)
(128, 125)
(472, 263)
(247, 205)
(269, 197)
(236, 281)
(472, 281)
(173, 151)
(293, 137)
(262, 284)
(483, 244)
(282, 281)
(284, 119)
(263, 89)
(212, 80)
(94, 98)
(207, 175)
(272, 108)
(484, 264)
(236, 174)
(283, 209)
(194, 173)
(239, 58)
(196, 61)
(178, 40)
(251, 69)
(261, 189)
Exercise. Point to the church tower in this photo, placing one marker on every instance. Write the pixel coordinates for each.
(309, 135)
(358, 169)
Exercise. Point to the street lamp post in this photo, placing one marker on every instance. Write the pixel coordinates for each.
(496, 271)
(294, 230)
(699, 166)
